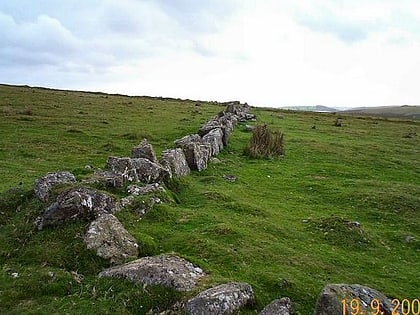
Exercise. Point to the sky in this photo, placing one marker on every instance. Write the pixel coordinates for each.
(272, 53)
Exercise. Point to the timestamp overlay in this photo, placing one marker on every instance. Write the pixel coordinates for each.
(399, 307)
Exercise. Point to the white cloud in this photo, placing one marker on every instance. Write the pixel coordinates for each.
(267, 53)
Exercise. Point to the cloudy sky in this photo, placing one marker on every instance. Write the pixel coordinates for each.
(267, 53)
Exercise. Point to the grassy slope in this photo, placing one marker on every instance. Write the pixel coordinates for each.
(277, 227)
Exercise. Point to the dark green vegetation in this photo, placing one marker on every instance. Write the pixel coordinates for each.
(265, 143)
(403, 112)
(286, 226)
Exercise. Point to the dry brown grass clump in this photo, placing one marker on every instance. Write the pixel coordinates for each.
(265, 143)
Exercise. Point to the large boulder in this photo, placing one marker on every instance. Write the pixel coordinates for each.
(77, 203)
(44, 184)
(108, 237)
(174, 160)
(223, 299)
(144, 150)
(197, 155)
(214, 138)
(330, 301)
(167, 270)
(138, 169)
(281, 306)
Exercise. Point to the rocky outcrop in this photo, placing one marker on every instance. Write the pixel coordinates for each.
(174, 160)
(77, 203)
(44, 184)
(223, 299)
(144, 150)
(167, 270)
(107, 236)
(281, 306)
(331, 297)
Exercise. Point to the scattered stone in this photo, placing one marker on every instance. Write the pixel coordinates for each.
(281, 306)
(144, 150)
(331, 297)
(223, 299)
(77, 203)
(353, 224)
(14, 275)
(174, 160)
(168, 270)
(214, 138)
(215, 160)
(44, 184)
(230, 178)
(410, 238)
(338, 122)
(108, 237)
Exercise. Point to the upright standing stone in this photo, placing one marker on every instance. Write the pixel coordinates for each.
(174, 160)
(144, 150)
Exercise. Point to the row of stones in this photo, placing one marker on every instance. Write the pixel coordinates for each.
(111, 241)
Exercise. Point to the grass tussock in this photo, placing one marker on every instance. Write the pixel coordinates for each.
(265, 143)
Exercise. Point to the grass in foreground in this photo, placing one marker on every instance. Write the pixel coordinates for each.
(287, 226)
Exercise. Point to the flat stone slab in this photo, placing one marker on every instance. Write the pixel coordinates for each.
(167, 270)
(223, 299)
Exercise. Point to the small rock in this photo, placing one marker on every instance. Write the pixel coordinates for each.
(14, 275)
(278, 307)
(223, 299)
(410, 238)
(108, 237)
(230, 178)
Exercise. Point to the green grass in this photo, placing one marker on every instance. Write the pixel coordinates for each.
(280, 227)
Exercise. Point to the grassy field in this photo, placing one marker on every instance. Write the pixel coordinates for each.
(283, 226)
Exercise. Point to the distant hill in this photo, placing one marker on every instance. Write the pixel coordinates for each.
(316, 108)
(405, 111)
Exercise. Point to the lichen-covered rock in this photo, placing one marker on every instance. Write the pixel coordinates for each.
(44, 184)
(331, 297)
(209, 126)
(108, 237)
(281, 306)
(144, 150)
(223, 299)
(174, 160)
(197, 155)
(77, 203)
(107, 178)
(214, 138)
(138, 169)
(187, 139)
(167, 270)
(123, 166)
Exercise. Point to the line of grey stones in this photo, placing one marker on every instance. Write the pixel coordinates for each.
(108, 237)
